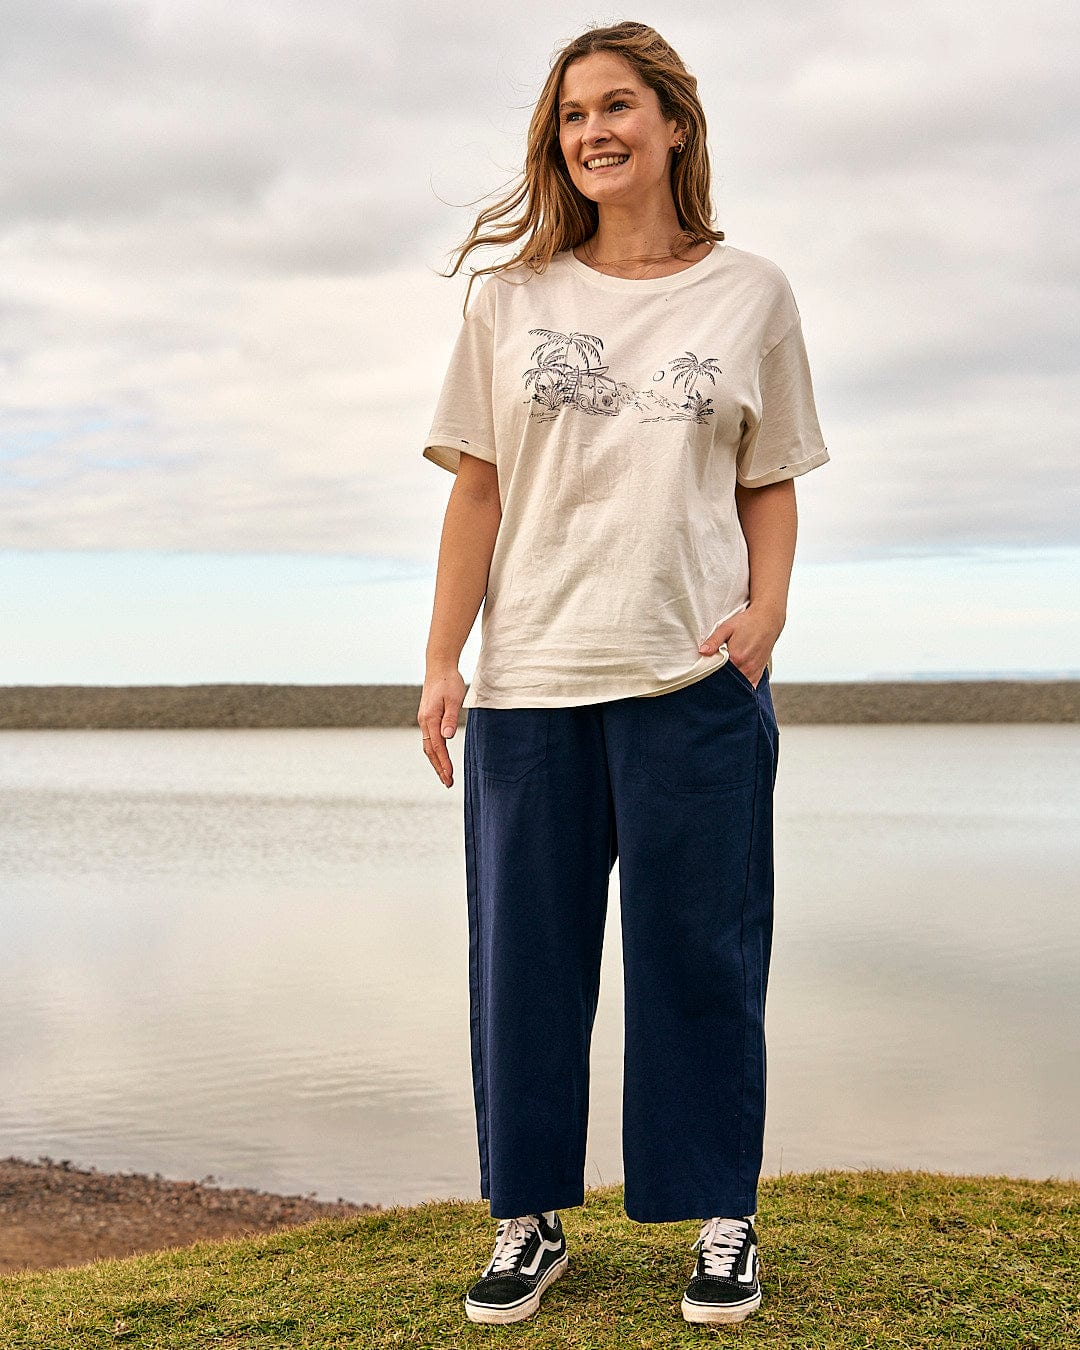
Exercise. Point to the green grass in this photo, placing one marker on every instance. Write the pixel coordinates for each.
(868, 1258)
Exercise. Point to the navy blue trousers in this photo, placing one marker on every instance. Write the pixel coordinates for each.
(679, 788)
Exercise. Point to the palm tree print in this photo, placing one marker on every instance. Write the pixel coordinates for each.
(550, 383)
(689, 369)
(568, 373)
(561, 346)
(557, 375)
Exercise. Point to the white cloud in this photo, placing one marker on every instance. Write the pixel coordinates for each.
(221, 326)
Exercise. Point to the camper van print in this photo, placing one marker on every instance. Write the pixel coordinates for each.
(568, 374)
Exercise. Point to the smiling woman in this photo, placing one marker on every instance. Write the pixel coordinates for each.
(616, 146)
(608, 97)
(625, 409)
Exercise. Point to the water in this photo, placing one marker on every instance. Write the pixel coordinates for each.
(243, 954)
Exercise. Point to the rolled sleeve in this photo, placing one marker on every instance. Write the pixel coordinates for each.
(464, 415)
(784, 439)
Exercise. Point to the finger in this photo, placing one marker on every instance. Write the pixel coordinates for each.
(449, 724)
(442, 727)
(435, 749)
(715, 640)
(442, 756)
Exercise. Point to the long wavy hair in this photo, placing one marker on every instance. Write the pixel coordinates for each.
(554, 215)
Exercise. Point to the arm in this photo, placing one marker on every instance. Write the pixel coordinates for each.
(769, 521)
(472, 519)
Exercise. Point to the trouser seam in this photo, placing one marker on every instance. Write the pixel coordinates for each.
(742, 953)
(470, 836)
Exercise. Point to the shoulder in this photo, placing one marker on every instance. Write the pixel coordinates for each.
(756, 267)
(776, 306)
(521, 274)
(508, 288)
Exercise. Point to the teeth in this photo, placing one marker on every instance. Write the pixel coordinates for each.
(606, 159)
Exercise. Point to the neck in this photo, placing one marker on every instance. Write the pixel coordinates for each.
(622, 233)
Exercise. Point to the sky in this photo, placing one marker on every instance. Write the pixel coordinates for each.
(223, 328)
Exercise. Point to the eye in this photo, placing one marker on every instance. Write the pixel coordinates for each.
(621, 101)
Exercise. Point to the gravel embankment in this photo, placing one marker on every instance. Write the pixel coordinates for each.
(57, 707)
(53, 1214)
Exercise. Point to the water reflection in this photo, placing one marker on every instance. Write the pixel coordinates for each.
(245, 953)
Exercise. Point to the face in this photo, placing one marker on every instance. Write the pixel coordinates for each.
(605, 110)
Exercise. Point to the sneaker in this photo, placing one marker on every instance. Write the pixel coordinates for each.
(530, 1254)
(725, 1285)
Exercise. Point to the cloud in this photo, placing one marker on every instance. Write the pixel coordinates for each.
(222, 326)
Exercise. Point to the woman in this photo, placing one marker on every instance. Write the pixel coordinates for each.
(625, 410)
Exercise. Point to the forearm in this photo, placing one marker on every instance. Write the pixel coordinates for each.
(468, 541)
(769, 520)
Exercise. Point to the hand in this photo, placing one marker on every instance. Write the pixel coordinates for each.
(440, 706)
(750, 636)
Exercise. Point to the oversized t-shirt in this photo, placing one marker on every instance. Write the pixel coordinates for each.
(619, 415)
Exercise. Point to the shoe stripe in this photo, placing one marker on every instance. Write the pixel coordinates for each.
(746, 1276)
(534, 1264)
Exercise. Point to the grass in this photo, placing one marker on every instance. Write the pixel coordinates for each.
(871, 1258)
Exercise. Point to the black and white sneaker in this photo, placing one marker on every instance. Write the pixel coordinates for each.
(530, 1254)
(725, 1285)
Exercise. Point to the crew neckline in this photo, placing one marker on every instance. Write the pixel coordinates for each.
(639, 285)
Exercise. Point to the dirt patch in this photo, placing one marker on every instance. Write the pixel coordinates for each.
(53, 1214)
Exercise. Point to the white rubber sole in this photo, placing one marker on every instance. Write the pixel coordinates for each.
(720, 1312)
(516, 1312)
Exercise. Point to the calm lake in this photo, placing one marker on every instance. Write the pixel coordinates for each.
(244, 954)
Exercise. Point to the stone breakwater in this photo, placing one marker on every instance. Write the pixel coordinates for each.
(70, 707)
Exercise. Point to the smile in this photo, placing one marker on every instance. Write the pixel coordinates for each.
(605, 161)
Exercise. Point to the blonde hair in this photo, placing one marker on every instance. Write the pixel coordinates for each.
(554, 215)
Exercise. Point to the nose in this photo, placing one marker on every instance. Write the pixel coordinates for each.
(595, 131)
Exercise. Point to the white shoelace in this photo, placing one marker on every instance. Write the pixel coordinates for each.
(509, 1242)
(721, 1241)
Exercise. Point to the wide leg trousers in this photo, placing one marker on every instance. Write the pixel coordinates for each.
(679, 788)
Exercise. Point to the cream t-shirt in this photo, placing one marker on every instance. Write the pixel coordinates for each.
(620, 414)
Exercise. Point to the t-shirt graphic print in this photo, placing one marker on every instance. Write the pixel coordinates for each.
(620, 415)
(556, 382)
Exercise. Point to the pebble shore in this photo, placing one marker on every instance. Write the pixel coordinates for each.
(53, 1214)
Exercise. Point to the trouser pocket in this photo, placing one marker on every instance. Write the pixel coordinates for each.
(508, 742)
(702, 737)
